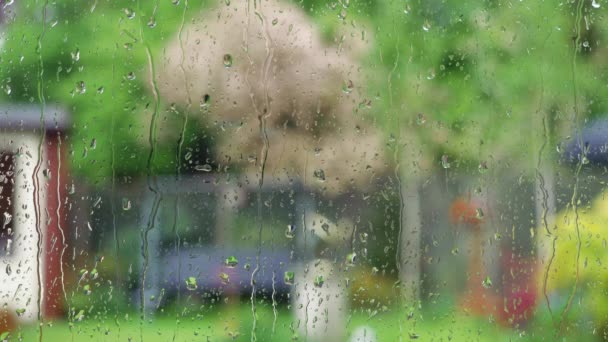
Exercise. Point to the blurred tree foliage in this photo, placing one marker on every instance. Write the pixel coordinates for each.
(476, 80)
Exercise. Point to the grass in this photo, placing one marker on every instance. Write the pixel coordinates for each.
(234, 322)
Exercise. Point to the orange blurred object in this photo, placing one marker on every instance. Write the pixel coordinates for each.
(465, 211)
(476, 300)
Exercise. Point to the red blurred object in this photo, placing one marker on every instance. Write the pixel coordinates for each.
(8, 322)
(519, 290)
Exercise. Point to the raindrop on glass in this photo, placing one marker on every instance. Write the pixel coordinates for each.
(224, 278)
(191, 283)
(81, 87)
(426, 26)
(348, 87)
(290, 232)
(203, 167)
(231, 261)
(227, 60)
(420, 119)
(319, 281)
(319, 174)
(129, 13)
(445, 163)
(126, 204)
(487, 282)
(75, 55)
(289, 277)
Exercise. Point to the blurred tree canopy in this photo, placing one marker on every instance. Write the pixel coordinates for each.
(453, 77)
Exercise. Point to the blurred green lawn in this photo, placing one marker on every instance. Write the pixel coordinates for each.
(234, 323)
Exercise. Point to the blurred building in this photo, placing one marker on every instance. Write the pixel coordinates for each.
(33, 186)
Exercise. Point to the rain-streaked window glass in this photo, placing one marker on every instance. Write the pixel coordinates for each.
(276, 170)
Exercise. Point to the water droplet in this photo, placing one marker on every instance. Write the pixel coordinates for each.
(20, 312)
(351, 259)
(9, 270)
(455, 251)
(420, 119)
(479, 213)
(205, 101)
(7, 89)
(130, 76)
(231, 261)
(487, 283)
(348, 87)
(319, 281)
(100, 90)
(483, 167)
(445, 161)
(7, 218)
(227, 60)
(595, 4)
(81, 88)
(290, 232)
(288, 277)
(325, 228)
(87, 289)
(363, 237)
(224, 278)
(151, 22)
(275, 21)
(75, 55)
(426, 26)
(204, 168)
(129, 13)
(126, 204)
(319, 174)
(175, 2)
(191, 283)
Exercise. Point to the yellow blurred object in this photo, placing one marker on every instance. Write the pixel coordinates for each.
(590, 232)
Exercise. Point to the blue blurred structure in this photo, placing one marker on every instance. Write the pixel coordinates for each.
(592, 142)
